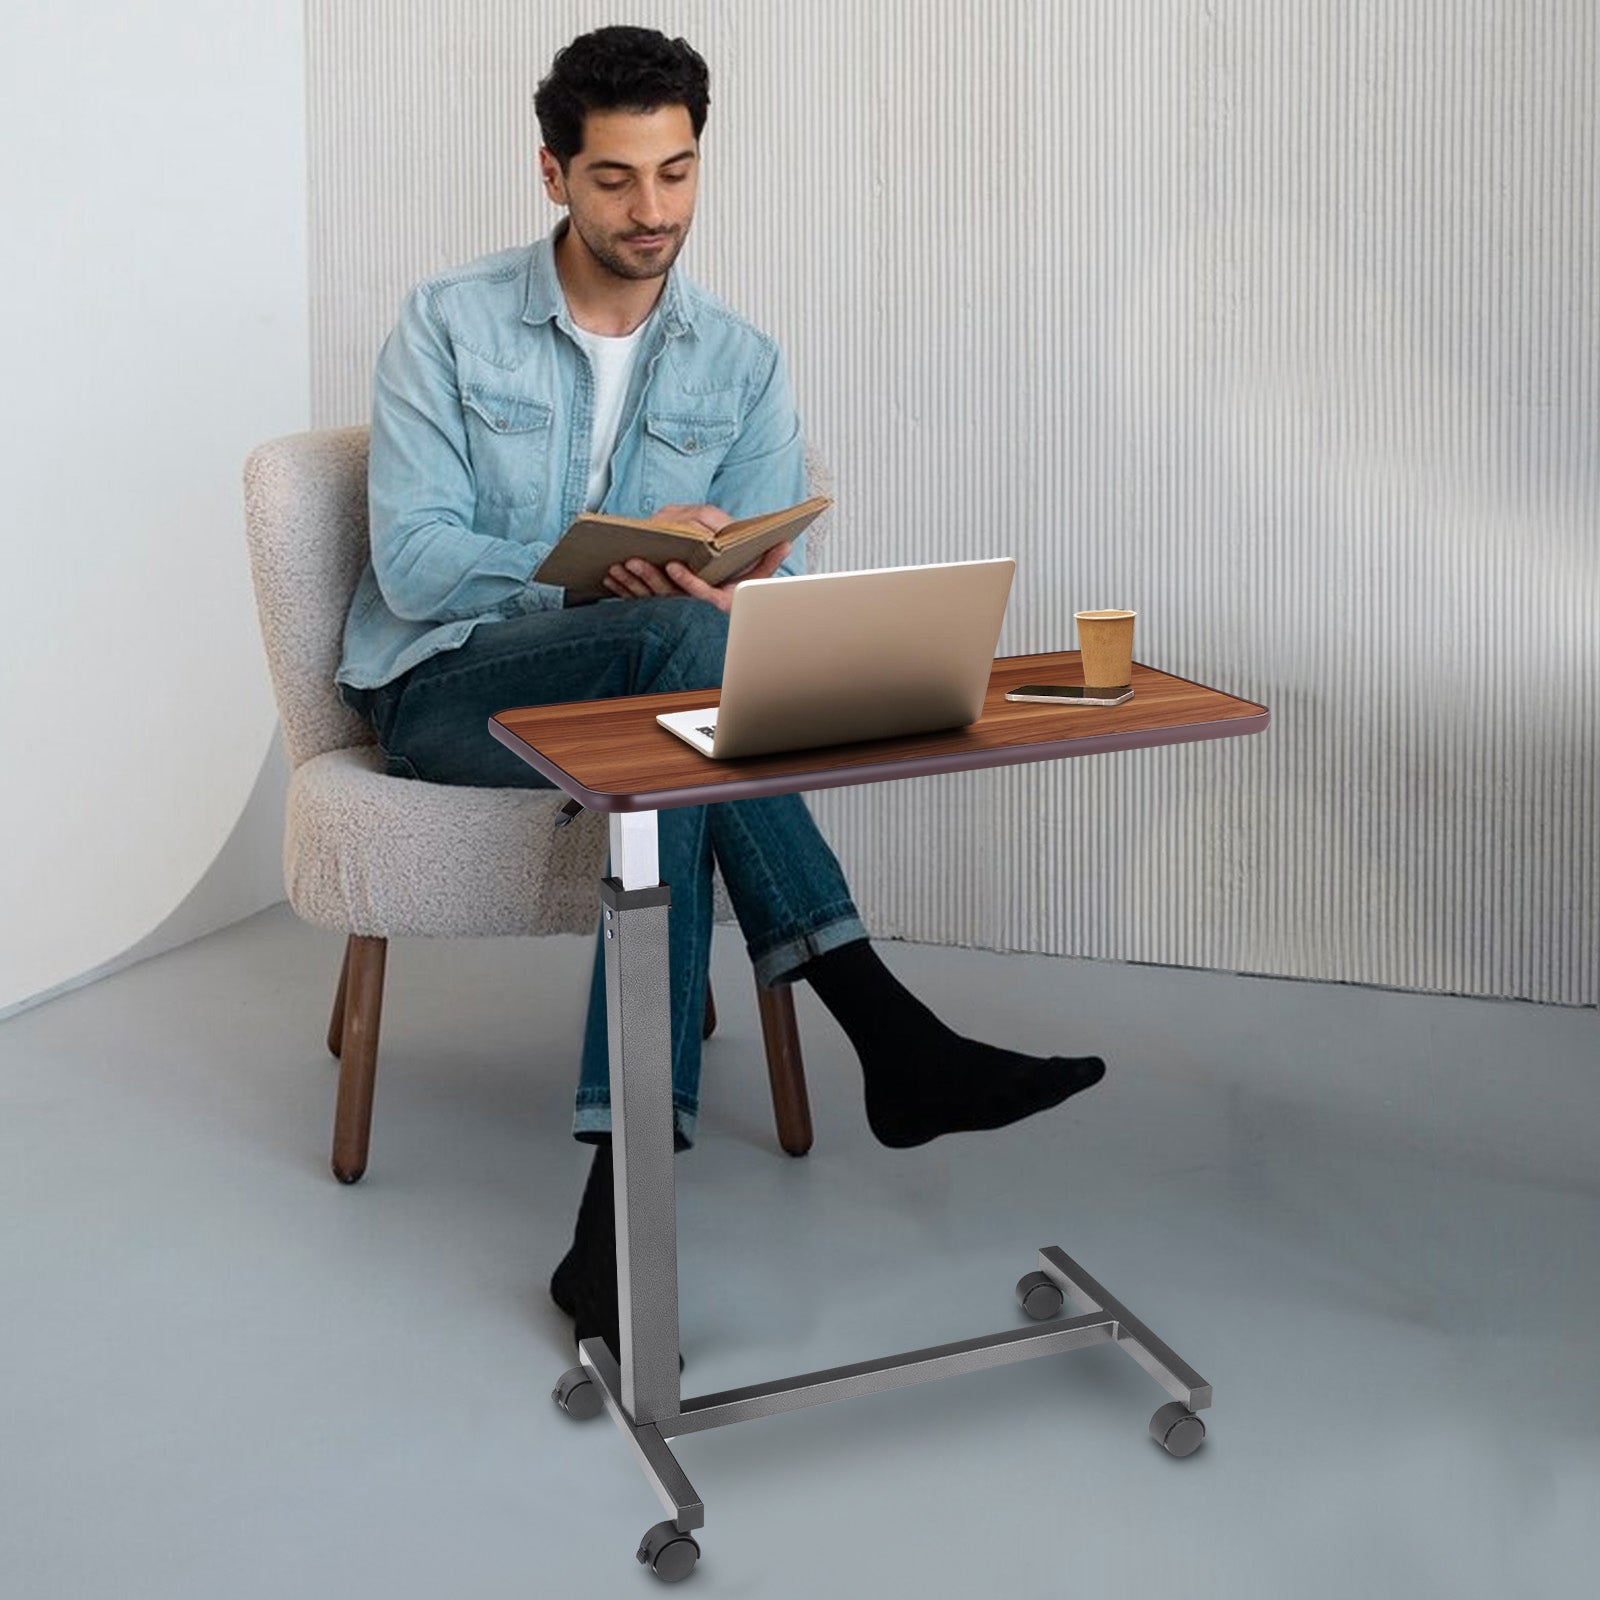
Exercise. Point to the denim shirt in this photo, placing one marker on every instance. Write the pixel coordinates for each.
(481, 414)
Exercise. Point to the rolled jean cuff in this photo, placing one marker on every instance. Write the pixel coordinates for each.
(593, 1115)
(779, 964)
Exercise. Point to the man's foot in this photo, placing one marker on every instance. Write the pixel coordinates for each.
(963, 1086)
(922, 1079)
(584, 1284)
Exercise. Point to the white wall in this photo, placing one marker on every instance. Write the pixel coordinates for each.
(1277, 322)
(155, 283)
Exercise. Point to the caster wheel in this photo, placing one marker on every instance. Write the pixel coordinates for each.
(1039, 1296)
(669, 1554)
(1177, 1429)
(578, 1395)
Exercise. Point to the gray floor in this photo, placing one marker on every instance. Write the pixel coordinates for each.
(1371, 1220)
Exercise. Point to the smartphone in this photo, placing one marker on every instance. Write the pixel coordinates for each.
(1071, 694)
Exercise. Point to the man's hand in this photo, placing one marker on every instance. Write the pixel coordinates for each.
(638, 580)
(712, 518)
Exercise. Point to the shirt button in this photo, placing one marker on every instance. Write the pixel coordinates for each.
(691, 443)
(649, 505)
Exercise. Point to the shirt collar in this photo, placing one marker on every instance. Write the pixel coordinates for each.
(545, 302)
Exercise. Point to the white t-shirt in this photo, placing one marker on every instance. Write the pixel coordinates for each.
(612, 361)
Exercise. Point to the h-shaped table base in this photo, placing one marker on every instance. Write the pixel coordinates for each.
(641, 1390)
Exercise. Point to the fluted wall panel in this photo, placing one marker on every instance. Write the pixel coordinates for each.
(1277, 322)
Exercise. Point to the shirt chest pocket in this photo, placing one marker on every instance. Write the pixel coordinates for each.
(508, 440)
(681, 456)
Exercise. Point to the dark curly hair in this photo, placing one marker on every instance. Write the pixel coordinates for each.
(618, 69)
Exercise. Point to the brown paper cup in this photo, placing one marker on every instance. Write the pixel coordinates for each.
(1106, 640)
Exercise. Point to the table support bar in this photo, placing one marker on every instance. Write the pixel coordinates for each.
(888, 1372)
(1109, 1322)
(1175, 1375)
(650, 1450)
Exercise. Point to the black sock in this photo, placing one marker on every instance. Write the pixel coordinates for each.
(922, 1079)
(584, 1284)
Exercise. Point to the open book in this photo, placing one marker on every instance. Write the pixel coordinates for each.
(596, 542)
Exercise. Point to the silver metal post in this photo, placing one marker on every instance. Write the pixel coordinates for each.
(635, 857)
(639, 1031)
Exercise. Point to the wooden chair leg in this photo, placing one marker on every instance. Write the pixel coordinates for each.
(790, 1107)
(362, 994)
(336, 1021)
(708, 1023)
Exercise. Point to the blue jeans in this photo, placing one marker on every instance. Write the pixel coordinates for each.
(784, 882)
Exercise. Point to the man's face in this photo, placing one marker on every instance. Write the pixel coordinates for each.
(630, 190)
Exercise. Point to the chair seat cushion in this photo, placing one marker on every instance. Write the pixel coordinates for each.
(389, 857)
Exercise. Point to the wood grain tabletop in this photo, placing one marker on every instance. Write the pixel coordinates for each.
(611, 755)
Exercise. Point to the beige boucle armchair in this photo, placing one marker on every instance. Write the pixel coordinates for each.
(377, 857)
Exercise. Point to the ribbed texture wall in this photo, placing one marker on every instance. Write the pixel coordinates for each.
(1277, 322)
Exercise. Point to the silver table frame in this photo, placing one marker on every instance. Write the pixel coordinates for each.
(641, 1391)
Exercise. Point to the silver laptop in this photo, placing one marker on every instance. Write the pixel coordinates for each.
(833, 657)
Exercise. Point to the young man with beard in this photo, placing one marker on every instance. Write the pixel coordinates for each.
(586, 371)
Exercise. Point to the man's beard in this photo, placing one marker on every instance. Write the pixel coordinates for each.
(610, 254)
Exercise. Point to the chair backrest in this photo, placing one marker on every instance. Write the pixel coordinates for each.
(819, 480)
(305, 501)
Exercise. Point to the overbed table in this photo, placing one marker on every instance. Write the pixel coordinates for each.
(611, 756)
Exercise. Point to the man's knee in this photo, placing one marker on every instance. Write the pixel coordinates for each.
(687, 640)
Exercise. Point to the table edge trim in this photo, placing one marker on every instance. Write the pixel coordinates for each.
(879, 771)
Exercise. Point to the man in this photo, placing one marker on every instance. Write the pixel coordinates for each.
(586, 371)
